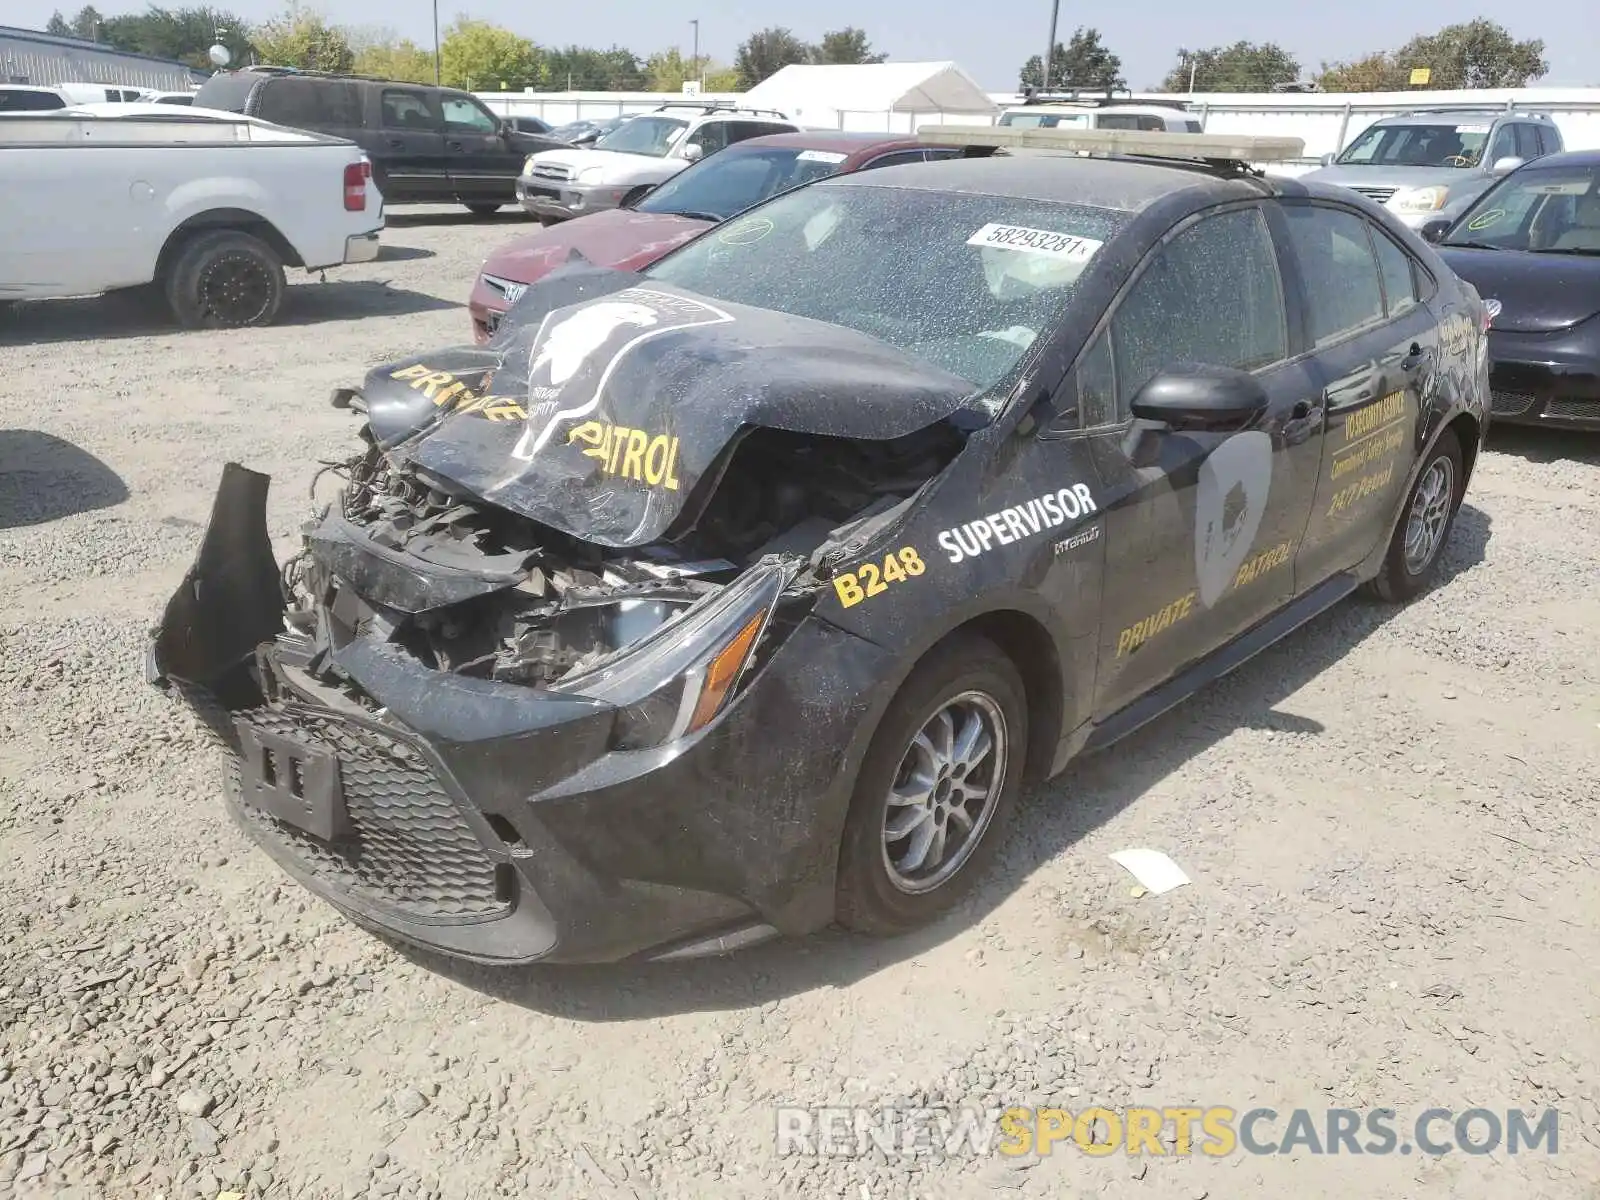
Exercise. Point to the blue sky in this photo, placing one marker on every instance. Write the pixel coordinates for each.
(990, 41)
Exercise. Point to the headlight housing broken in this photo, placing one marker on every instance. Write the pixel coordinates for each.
(677, 680)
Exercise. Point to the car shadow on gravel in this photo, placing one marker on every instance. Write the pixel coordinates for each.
(511, 214)
(1050, 820)
(1546, 445)
(43, 478)
(388, 253)
(114, 315)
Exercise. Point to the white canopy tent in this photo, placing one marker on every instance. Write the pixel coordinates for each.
(891, 96)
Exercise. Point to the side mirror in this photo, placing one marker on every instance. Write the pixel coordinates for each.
(1434, 230)
(694, 152)
(639, 195)
(1327, 159)
(1200, 396)
(1507, 164)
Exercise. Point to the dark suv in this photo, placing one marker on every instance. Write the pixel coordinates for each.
(428, 145)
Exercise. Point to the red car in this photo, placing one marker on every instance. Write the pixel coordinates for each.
(714, 189)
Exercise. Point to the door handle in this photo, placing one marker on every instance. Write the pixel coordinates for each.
(454, 145)
(1300, 411)
(1414, 358)
(397, 143)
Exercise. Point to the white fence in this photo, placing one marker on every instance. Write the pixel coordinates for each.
(1325, 121)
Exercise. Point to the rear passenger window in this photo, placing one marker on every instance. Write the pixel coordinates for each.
(1343, 292)
(407, 110)
(738, 131)
(1398, 273)
(1223, 264)
(310, 104)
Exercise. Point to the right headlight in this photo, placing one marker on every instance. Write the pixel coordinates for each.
(676, 681)
(591, 175)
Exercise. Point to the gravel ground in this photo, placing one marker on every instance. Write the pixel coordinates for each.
(1388, 821)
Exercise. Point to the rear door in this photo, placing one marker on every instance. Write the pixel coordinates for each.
(410, 159)
(483, 164)
(1374, 345)
(1199, 527)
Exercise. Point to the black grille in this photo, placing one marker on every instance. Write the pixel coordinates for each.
(409, 849)
(1510, 404)
(1574, 410)
(1378, 194)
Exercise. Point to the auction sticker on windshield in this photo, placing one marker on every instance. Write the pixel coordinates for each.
(1035, 241)
(823, 156)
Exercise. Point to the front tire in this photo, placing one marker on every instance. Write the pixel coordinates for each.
(225, 280)
(1425, 523)
(935, 790)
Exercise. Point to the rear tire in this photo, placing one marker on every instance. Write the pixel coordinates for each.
(1425, 523)
(966, 777)
(226, 279)
(484, 210)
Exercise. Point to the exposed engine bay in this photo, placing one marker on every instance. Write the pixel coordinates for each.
(472, 589)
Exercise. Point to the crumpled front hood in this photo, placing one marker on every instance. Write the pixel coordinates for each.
(1538, 293)
(599, 409)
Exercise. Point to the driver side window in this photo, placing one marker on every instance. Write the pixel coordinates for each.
(710, 137)
(1211, 295)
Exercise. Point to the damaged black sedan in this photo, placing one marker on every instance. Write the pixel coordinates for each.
(743, 595)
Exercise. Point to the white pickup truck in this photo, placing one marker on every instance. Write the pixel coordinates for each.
(204, 208)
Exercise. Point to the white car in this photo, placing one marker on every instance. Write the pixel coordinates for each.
(644, 151)
(207, 206)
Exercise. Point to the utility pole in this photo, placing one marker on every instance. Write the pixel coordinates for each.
(695, 68)
(1050, 50)
(1192, 65)
(436, 71)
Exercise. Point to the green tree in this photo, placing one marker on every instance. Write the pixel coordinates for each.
(1082, 62)
(667, 70)
(1374, 73)
(721, 79)
(87, 23)
(1241, 67)
(1473, 54)
(57, 25)
(184, 34)
(583, 69)
(762, 55)
(478, 56)
(382, 54)
(301, 38)
(847, 46)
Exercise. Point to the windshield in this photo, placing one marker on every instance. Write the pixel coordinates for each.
(1044, 120)
(1448, 145)
(1547, 210)
(739, 178)
(963, 282)
(644, 135)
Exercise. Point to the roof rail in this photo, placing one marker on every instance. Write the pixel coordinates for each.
(715, 106)
(1096, 98)
(1227, 153)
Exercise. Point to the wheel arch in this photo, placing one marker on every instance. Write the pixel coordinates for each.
(214, 219)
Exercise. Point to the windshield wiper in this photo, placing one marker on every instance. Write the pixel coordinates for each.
(698, 216)
(1473, 245)
(1570, 250)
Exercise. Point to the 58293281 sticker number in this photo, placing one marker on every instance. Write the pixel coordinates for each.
(873, 578)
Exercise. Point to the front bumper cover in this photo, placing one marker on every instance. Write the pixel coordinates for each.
(1545, 379)
(563, 200)
(491, 821)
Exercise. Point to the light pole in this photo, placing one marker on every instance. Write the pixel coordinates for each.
(1050, 50)
(436, 71)
(695, 68)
